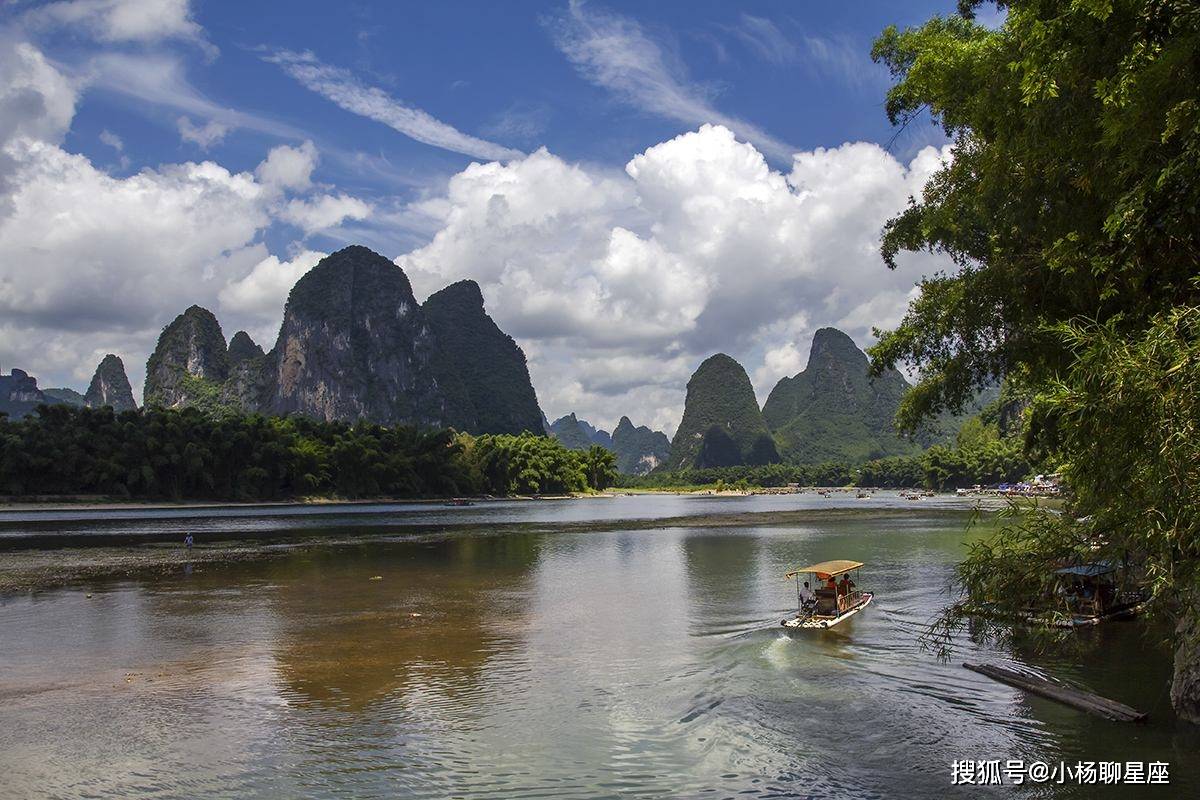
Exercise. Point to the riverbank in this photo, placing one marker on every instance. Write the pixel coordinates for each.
(70, 560)
(95, 503)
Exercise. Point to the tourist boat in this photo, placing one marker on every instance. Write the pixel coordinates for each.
(830, 605)
(1086, 595)
(1091, 594)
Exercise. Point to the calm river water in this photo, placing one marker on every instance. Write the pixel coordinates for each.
(615, 663)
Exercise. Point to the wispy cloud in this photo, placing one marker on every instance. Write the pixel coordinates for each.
(520, 122)
(160, 80)
(766, 40)
(343, 88)
(616, 53)
(834, 57)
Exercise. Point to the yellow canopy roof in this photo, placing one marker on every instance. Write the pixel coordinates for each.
(836, 567)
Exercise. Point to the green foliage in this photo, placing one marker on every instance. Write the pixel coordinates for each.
(189, 454)
(600, 467)
(1072, 210)
(1125, 419)
(1073, 191)
(204, 395)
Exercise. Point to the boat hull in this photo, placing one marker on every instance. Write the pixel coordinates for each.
(1051, 620)
(810, 623)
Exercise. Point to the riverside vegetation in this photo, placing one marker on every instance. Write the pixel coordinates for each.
(186, 454)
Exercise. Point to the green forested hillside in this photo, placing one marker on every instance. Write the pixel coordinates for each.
(834, 410)
(571, 433)
(722, 425)
(639, 449)
(488, 369)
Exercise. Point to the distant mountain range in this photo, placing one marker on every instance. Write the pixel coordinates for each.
(20, 395)
(638, 449)
(355, 344)
(832, 411)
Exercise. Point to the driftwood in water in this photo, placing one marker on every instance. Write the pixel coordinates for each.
(1084, 701)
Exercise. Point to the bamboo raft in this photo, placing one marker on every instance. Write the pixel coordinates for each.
(1076, 698)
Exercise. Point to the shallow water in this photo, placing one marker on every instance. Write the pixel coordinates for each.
(642, 663)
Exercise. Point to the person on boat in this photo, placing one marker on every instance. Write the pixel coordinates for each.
(845, 585)
(830, 583)
(807, 596)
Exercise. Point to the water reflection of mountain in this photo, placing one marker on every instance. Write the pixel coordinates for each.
(437, 612)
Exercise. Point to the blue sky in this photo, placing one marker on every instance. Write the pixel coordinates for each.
(371, 115)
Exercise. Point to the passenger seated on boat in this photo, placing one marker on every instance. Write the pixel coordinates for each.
(807, 596)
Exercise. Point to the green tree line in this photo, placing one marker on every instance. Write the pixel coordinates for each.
(986, 460)
(189, 455)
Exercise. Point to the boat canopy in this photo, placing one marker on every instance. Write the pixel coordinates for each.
(827, 568)
(1088, 570)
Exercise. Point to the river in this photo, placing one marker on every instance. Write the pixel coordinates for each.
(422, 651)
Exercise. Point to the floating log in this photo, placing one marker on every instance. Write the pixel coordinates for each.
(1076, 698)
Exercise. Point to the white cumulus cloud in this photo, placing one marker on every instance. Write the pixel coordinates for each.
(288, 167)
(124, 20)
(91, 262)
(259, 296)
(619, 285)
(321, 213)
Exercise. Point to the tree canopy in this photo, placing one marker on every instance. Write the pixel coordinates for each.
(189, 454)
(1070, 208)
(1071, 190)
